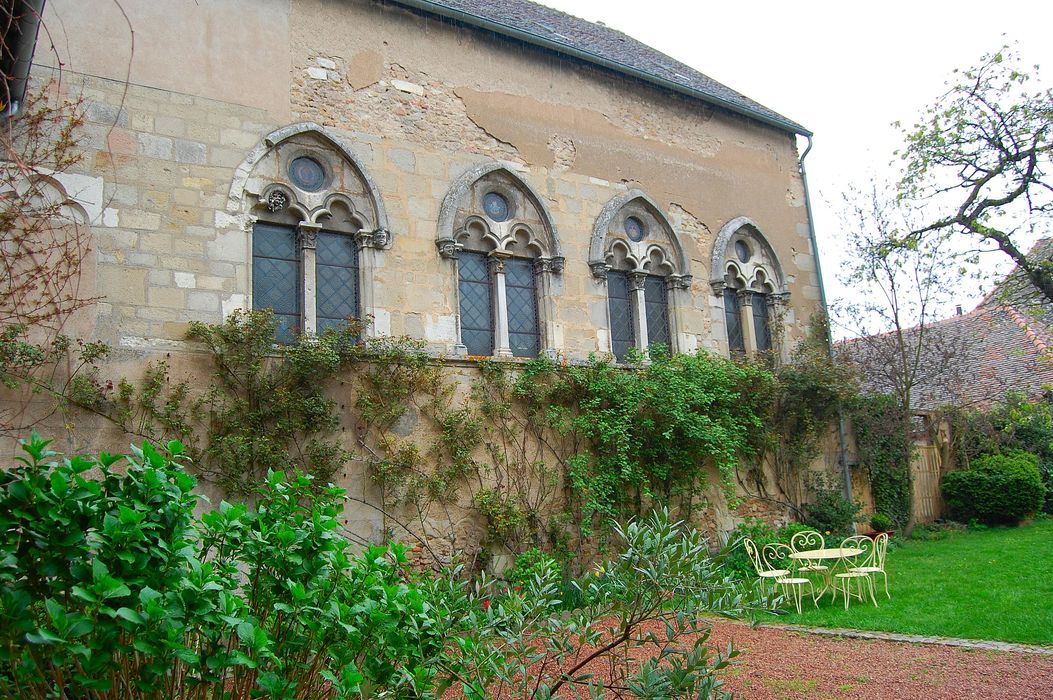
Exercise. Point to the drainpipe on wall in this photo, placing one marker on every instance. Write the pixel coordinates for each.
(842, 457)
(19, 43)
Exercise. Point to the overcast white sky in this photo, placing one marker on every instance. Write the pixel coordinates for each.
(846, 70)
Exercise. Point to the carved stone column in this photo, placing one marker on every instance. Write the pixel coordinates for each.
(676, 286)
(749, 330)
(544, 269)
(370, 246)
(639, 306)
(778, 305)
(306, 235)
(502, 344)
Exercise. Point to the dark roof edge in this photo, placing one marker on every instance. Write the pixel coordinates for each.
(589, 57)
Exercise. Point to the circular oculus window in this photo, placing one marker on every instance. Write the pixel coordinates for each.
(496, 206)
(307, 174)
(742, 251)
(634, 229)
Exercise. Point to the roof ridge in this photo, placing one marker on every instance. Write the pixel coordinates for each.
(1031, 333)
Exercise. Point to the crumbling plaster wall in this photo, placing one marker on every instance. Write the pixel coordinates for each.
(418, 102)
(423, 101)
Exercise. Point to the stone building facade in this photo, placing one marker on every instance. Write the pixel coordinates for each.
(498, 179)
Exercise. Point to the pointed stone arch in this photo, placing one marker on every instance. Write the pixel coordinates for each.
(459, 214)
(241, 187)
(521, 248)
(342, 208)
(660, 235)
(748, 280)
(636, 243)
(764, 259)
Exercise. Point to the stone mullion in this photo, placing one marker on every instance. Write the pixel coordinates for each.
(370, 245)
(544, 269)
(749, 332)
(502, 344)
(636, 293)
(306, 235)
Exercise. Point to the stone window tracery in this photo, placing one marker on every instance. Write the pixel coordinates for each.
(317, 226)
(749, 281)
(638, 254)
(506, 251)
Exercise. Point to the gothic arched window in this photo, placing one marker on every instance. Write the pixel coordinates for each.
(636, 251)
(748, 278)
(316, 223)
(505, 246)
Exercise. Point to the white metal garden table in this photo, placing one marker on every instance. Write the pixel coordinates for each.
(827, 553)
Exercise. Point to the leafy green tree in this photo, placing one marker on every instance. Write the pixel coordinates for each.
(900, 286)
(980, 158)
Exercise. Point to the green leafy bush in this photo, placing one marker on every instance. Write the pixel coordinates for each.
(110, 588)
(831, 513)
(996, 489)
(525, 644)
(534, 564)
(880, 522)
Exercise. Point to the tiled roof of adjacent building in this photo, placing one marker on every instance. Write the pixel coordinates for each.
(1004, 344)
(599, 45)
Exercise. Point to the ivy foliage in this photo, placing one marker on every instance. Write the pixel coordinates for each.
(809, 393)
(885, 446)
(544, 452)
(649, 432)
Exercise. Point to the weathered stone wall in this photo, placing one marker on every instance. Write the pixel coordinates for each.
(418, 102)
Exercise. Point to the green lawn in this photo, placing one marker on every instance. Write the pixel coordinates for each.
(988, 584)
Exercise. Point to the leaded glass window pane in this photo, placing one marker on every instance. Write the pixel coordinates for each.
(621, 310)
(733, 321)
(276, 276)
(521, 295)
(336, 279)
(476, 306)
(761, 330)
(656, 304)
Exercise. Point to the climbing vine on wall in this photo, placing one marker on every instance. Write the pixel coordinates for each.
(542, 451)
(803, 402)
(884, 444)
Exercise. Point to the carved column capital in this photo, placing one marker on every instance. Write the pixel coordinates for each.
(381, 237)
(377, 238)
(636, 280)
(306, 235)
(746, 295)
(496, 261)
(718, 287)
(780, 299)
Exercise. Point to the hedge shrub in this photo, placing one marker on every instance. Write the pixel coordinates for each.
(997, 489)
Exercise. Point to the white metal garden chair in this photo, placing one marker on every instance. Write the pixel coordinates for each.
(807, 540)
(853, 566)
(761, 565)
(792, 585)
(876, 565)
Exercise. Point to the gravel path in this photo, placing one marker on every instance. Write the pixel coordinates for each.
(781, 664)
